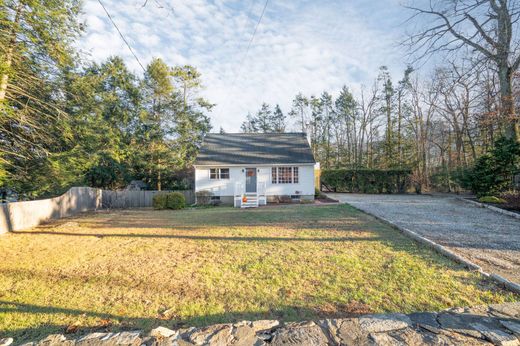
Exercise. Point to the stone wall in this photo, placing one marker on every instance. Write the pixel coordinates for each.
(18, 216)
(484, 325)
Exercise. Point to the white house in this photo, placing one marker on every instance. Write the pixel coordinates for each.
(248, 170)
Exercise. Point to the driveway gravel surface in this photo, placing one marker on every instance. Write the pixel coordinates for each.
(485, 237)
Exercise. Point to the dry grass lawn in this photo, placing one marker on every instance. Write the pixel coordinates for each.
(143, 268)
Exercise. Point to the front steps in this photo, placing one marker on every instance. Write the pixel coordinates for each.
(252, 201)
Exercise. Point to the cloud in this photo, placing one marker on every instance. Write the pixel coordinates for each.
(301, 46)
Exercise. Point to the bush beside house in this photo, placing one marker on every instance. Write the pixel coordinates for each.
(173, 200)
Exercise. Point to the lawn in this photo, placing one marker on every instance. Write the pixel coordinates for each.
(144, 268)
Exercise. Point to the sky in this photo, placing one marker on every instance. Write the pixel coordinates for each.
(306, 46)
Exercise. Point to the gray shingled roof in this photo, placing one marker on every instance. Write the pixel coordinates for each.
(254, 148)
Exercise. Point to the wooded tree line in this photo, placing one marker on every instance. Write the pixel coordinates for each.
(439, 122)
(64, 122)
(437, 125)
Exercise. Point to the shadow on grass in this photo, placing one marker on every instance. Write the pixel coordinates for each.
(194, 237)
(113, 323)
(123, 323)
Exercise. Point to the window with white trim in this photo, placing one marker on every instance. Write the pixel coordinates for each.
(284, 175)
(218, 173)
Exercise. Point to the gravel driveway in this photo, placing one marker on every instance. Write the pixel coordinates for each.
(488, 238)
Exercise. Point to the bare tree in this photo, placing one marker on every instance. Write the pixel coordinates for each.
(488, 27)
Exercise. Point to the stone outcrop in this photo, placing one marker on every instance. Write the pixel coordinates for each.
(497, 324)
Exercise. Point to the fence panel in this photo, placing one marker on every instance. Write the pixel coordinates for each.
(137, 199)
(16, 216)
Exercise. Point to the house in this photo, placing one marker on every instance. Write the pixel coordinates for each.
(248, 170)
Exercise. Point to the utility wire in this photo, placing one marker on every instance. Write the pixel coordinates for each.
(232, 87)
(249, 45)
(121, 34)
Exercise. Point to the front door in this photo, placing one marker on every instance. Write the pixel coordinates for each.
(250, 180)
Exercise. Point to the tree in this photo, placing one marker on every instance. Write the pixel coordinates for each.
(327, 118)
(493, 172)
(403, 107)
(35, 31)
(278, 123)
(264, 121)
(191, 120)
(298, 111)
(160, 106)
(486, 27)
(263, 118)
(345, 112)
(387, 108)
(188, 79)
(315, 124)
(249, 126)
(36, 49)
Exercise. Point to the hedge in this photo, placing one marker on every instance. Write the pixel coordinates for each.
(366, 180)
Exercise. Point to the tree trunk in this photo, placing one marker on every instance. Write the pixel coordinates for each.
(399, 124)
(9, 54)
(159, 178)
(512, 129)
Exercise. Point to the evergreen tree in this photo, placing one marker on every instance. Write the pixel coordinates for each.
(264, 118)
(36, 40)
(299, 109)
(387, 108)
(249, 126)
(278, 122)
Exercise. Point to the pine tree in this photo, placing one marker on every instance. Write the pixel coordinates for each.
(264, 118)
(250, 125)
(278, 122)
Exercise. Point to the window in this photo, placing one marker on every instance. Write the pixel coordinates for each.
(224, 173)
(219, 173)
(285, 175)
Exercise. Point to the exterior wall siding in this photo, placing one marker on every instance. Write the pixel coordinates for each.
(226, 187)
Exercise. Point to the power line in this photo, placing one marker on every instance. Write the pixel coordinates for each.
(121, 34)
(249, 44)
(238, 71)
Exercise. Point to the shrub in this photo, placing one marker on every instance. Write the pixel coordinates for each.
(160, 200)
(204, 197)
(175, 201)
(491, 199)
(493, 172)
(366, 180)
